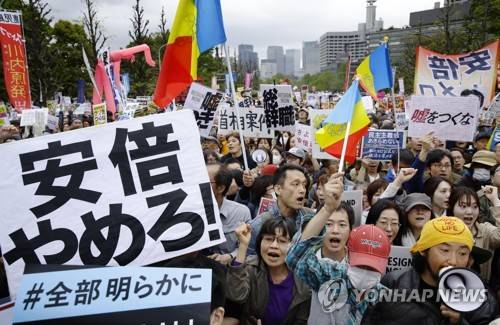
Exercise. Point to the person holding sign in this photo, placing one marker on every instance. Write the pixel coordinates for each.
(263, 283)
(340, 286)
(444, 241)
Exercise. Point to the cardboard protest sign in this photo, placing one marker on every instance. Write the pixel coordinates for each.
(399, 259)
(252, 122)
(382, 144)
(355, 199)
(303, 136)
(439, 74)
(264, 205)
(122, 179)
(100, 114)
(278, 107)
(317, 116)
(450, 118)
(204, 102)
(115, 295)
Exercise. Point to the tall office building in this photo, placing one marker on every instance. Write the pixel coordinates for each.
(276, 54)
(248, 60)
(310, 57)
(292, 62)
(334, 46)
(268, 69)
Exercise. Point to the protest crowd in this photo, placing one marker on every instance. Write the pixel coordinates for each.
(306, 207)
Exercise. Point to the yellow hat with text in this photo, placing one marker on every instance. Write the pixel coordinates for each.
(443, 230)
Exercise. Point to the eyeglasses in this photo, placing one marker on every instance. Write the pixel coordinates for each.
(282, 241)
(384, 224)
(440, 165)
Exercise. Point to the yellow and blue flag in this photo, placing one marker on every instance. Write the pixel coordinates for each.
(375, 72)
(331, 136)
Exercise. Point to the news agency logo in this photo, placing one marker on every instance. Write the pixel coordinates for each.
(333, 295)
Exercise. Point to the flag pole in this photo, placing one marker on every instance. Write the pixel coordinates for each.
(233, 93)
(396, 170)
(344, 146)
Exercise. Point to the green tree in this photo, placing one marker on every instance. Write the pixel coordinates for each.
(66, 52)
(94, 30)
(140, 73)
(38, 34)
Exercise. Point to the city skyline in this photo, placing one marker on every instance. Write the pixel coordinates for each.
(260, 28)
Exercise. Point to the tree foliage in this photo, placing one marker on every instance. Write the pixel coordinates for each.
(94, 30)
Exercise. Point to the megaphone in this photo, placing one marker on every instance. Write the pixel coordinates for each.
(461, 289)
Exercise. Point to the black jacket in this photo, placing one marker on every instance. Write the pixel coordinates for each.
(421, 313)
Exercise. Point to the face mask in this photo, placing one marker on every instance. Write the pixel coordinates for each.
(481, 175)
(276, 159)
(363, 279)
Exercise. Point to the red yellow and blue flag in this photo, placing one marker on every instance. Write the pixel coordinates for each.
(375, 72)
(331, 136)
(197, 27)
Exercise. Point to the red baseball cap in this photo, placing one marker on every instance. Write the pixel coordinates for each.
(369, 246)
(268, 170)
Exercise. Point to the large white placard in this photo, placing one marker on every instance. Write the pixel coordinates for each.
(204, 102)
(278, 107)
(133, 192)
(450, 118)
(252, 122)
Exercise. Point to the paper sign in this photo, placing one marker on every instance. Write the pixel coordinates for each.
(52, 122)
(204, 102)
(115, 295)
(303, 136)
(264, 205)
(278, 107)
(84, 108)
(368, 104)
(122, 180)
(252, 122)
(382, 144)
(399, 259)
(401, 121)
(401, 84)
(100, 114)
(355, 200)
(450, 118)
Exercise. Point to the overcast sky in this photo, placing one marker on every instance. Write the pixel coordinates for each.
(257, 22)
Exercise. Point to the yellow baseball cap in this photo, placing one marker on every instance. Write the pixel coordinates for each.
(443, 230)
